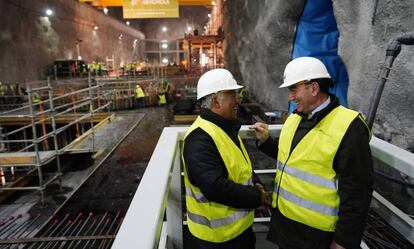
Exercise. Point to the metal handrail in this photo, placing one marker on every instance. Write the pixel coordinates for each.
(73, 93)
(164, 168)
(61, 129)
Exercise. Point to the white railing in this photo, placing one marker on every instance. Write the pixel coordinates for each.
(159, 193)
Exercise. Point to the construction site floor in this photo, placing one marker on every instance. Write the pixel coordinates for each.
(76, 170)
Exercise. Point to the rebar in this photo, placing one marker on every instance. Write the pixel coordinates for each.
(379, 234)
(116, 231)
(74, 229)
(9, 224)
(59, 224)
(68, 230)
(86, 232)
(109, 229)
(95, 230)
(80, 230)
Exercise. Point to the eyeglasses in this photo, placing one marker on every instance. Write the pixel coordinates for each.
(230, 93)
(294, 88)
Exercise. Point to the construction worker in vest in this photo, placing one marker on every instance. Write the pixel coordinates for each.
(36, 98)
(139, 96)
(221, 188)
(167, 88)
(323, 184)
(162, 100)
(36, 101)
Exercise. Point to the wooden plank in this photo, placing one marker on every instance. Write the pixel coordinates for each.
(24, 158)
(185, 118)
(67, 118)
(78, 141)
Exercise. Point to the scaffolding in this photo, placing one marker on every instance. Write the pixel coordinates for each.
(27, 149)
(123, 96)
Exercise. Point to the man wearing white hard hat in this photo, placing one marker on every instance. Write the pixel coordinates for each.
(323, 183)
(221, 189)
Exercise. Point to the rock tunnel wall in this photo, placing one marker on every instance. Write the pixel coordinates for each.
(29, 40)
(259, 40)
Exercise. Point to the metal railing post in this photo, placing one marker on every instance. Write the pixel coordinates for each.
(55, 140)
(25, 138)
(174, 204)
(91, 113)
(55, 71)
(35, 142)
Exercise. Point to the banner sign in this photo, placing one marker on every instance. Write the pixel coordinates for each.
(150, 8)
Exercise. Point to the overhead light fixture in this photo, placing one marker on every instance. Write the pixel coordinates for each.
(105, 11)
(164, 45)
(164, 29)
(95, 27)
(165, 61)
(189, 28)
(49, 12)
(213, 3)
(127, 23)
(209, 15)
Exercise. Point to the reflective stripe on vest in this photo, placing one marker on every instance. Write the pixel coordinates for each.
(323, 209)
(308, 191)
(218, 222)
(211, 221)
(308, 177)
(199, 197)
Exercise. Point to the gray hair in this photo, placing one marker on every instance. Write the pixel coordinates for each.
(206, 101)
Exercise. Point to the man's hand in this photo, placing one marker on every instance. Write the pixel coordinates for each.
(265, 198)
(261, 130)
(335, 245)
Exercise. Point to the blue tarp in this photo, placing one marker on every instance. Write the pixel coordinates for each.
(317, 36)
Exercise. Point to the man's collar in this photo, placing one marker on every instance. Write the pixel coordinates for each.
(320, 107)
(331, 101)
(218, 120)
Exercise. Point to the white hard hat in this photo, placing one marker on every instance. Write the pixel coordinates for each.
(214, 81)
(303, 68)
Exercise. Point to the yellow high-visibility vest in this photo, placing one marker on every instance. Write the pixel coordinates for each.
(36, 98)
(162, 100)
(209, 220)
(139, 93)
(307, 190)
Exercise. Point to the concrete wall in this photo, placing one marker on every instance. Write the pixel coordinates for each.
(259, 38)
(29, 40)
